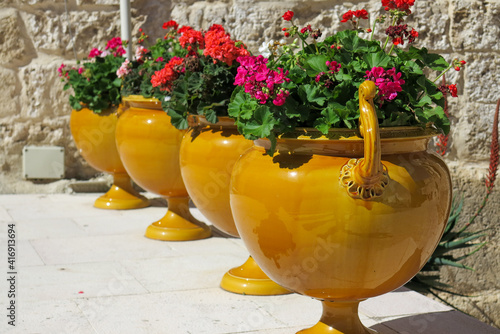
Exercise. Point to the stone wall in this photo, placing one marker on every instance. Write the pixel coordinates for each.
(36, 36)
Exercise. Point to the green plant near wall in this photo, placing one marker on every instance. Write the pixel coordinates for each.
(455, 238)
(95, 83)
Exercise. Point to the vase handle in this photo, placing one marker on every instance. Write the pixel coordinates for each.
(367, 177)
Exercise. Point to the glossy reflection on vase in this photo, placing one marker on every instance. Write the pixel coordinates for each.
(207, 156)
(149, 146)
(94, 136)
(342, 219)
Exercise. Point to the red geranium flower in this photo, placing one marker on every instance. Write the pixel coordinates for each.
(362, 14)
(402, 5)
(288, 15)
(453, 90)
(191, 38)
(349, 15)
(170, 23)
(220, 46)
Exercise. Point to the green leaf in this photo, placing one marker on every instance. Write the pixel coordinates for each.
(311, 94)
(262, 123)
(318, 63)
(117, 82)
(297, 75)
(379, 59)
(211, 116)
(179, 120)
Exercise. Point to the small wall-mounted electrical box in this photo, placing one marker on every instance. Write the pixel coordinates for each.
(43, 162)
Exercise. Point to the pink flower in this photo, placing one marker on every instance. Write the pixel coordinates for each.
(113, 43)
(140, 52)
(95, 52)
(159, 59)
(281, 98)
(388, 82)
(124, 69)
(260, 81)
(333, 66)
(61, 70)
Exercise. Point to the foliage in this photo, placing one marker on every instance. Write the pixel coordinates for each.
(428, 279)
(95, 84)
(318, 84)
(445, 254)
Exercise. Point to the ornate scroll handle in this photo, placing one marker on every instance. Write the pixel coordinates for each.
(367, 177)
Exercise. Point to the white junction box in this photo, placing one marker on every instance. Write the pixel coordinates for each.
(43, 162)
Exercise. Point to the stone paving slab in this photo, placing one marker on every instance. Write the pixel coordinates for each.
(87, 270)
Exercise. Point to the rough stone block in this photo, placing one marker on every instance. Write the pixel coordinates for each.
(472, 133)
(475, 25)
(432, 23)
(15, 49)
(9, 95)
(482, 76)
(42, 94)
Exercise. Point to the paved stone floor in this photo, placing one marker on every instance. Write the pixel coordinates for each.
(85, 270)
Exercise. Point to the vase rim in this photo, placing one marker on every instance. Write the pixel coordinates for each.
(104, 112)
(225, 121)
(140, 98)
(355, 135)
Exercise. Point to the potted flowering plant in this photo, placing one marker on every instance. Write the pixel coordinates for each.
(95, 84)
(317, 86)
(202, 82)
(96, 102)
(340, 208)
(136, 74)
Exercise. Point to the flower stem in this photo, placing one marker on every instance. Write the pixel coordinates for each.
(439, 76)
(390, 51)
(387, 39)
(373, 29)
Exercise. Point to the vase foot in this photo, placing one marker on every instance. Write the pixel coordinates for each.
(249, 279)
(339, 318)
(178, 224)
(121, 196)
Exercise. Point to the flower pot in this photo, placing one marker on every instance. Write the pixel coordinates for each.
(149, 146)
(207, 155)
(342, 219)
(94, 136)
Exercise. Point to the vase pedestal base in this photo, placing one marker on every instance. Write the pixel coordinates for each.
(121, 196)
(249, 279)
(339, 318)
(178, 224)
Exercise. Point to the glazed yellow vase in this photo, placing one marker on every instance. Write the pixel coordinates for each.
(342, 219)
(94, 136)
(207, 156)
(149, 146)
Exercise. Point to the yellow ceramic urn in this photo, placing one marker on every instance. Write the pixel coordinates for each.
(343, 218)
(149, 146)
(207, 156)
(94, 136)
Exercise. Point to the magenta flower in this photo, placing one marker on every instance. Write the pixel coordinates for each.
(61, 69)
(260, 81)
(95, 52)
(333, 66)
(388, 82)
